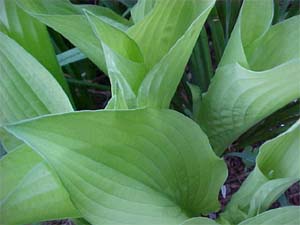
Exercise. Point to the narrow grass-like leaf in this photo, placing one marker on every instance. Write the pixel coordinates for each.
(217, 34)
(70, 56)
(200, 62)
(131, 167)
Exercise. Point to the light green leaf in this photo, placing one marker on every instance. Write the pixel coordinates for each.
(31, 35)
(269, 193)
(199, 221)
(279, 45)
(141, 166)
(28, 90)
(141, 9)
(158, 32)
(8, 141)
(159, 85)
(276, 169)
(22, 94)
(124, 60)
(69, 20)
(254, 20)
(239, 98)
(30, 191)
(286, 215)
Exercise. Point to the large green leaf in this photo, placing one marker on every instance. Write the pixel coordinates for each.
(286, 215)
(199, 221)
(141, 166)
(69, 20)
(239, 98)
(159, 85)
(279, 45)
(30, 191)
(254, 20)
(124, 60)
(27, 89)
(31, 35)
(165, 24)
(276, 169)
(141, 9)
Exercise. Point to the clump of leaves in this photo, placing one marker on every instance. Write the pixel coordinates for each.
(138, 162)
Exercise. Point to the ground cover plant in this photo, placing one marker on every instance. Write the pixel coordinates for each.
(155, 153)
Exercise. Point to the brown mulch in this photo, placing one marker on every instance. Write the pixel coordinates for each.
(237, 173)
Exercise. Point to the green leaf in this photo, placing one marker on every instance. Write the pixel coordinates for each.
(240, 101)
(276, 169)
(124, 60)
(140, 166)
(69, 20)
(199, 221)
(141, 9)
(239, 98)
(279, 45)
(269, 193)
(8, 141)
(31, 35)
(22, 94)
(286, 215)
(28, 90)
(254, 20)
(168, 20)
(159, 85)
(30, 190)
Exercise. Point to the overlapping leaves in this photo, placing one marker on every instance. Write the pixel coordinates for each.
(257, 60)
(30, 190)
(158, 45)
(146, 166)
(130, 167)
(31, 35)
(277, 168)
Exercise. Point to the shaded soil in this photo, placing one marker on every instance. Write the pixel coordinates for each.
(238, 172)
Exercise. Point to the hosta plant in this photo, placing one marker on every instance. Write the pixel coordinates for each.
(136, 161)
